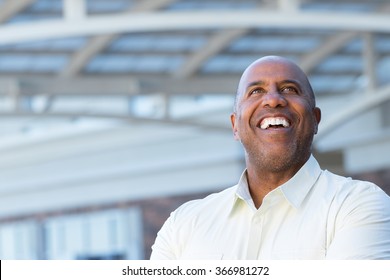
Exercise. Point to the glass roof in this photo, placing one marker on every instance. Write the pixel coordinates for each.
(179, 65)
(65, 44)
(211, 5)
(93, 6)
(31, 63)
(268, 43)
(342, 63)
(158, 43)
(134, 63)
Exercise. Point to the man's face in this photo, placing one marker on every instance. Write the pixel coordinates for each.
(275, 117)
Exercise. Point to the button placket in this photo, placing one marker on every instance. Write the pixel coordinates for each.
(254, 241)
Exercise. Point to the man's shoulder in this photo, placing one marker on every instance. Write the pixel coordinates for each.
(343, 183)
(347, 188)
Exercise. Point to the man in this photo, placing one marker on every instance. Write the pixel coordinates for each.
(284, 206)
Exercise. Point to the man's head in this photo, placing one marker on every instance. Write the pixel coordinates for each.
(275, 116)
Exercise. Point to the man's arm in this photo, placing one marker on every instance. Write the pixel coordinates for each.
(162, 248)
(362, 228)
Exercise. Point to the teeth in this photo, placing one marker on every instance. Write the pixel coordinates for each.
(267, 122)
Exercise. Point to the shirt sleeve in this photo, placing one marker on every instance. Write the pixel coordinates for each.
(362, 229)
(163, 248)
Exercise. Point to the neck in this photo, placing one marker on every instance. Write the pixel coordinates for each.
(261, 180)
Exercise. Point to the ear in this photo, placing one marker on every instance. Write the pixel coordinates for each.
(234, 126)
(317, 115)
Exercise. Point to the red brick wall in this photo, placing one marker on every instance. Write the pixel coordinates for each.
(156, 211)
(381, 178)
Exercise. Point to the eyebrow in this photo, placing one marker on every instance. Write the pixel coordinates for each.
(255, 83)
(286, 81)
(291, 81)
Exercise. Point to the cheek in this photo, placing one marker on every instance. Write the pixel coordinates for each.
(241, 116)
(247, 110)
(302, 107)
(306, 115)
(310, 122)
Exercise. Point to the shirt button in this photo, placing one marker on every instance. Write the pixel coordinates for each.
(257, 219)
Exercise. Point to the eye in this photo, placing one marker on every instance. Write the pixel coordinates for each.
(289, 90)
(257, 91)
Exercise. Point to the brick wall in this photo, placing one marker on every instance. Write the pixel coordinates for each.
(155, 213)
(381, 178)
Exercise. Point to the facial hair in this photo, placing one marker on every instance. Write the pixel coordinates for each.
(294, 156)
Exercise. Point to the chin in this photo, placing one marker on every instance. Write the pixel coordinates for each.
(279, 161)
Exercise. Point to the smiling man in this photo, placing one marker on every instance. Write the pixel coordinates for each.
(284, 206)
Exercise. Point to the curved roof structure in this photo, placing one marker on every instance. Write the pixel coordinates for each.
(80, 77)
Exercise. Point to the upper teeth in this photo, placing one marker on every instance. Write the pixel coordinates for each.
(265, 123)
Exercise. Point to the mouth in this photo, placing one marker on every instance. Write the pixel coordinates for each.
(274, 123)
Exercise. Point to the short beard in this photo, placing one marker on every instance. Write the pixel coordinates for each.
(294, 157)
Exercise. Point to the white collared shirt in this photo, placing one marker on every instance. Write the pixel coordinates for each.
(315, 215)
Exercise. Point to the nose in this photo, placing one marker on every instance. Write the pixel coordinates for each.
(274, 99)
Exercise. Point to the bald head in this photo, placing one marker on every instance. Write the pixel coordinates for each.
(275, 119)
(276, 64)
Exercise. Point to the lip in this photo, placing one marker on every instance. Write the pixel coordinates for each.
(274, 116)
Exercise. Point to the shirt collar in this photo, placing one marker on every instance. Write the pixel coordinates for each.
(294, 190)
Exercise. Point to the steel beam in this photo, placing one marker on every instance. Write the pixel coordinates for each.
(331, 45)
(369, 58)
(99, 43)
(120, 85)
(74, 9)
(165, 21)
(365, 103)
(214, 46)
(126, 118)
(10, 8)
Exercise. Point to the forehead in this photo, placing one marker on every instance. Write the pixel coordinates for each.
(272, 70)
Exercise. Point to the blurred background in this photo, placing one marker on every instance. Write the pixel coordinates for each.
(115, 112)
